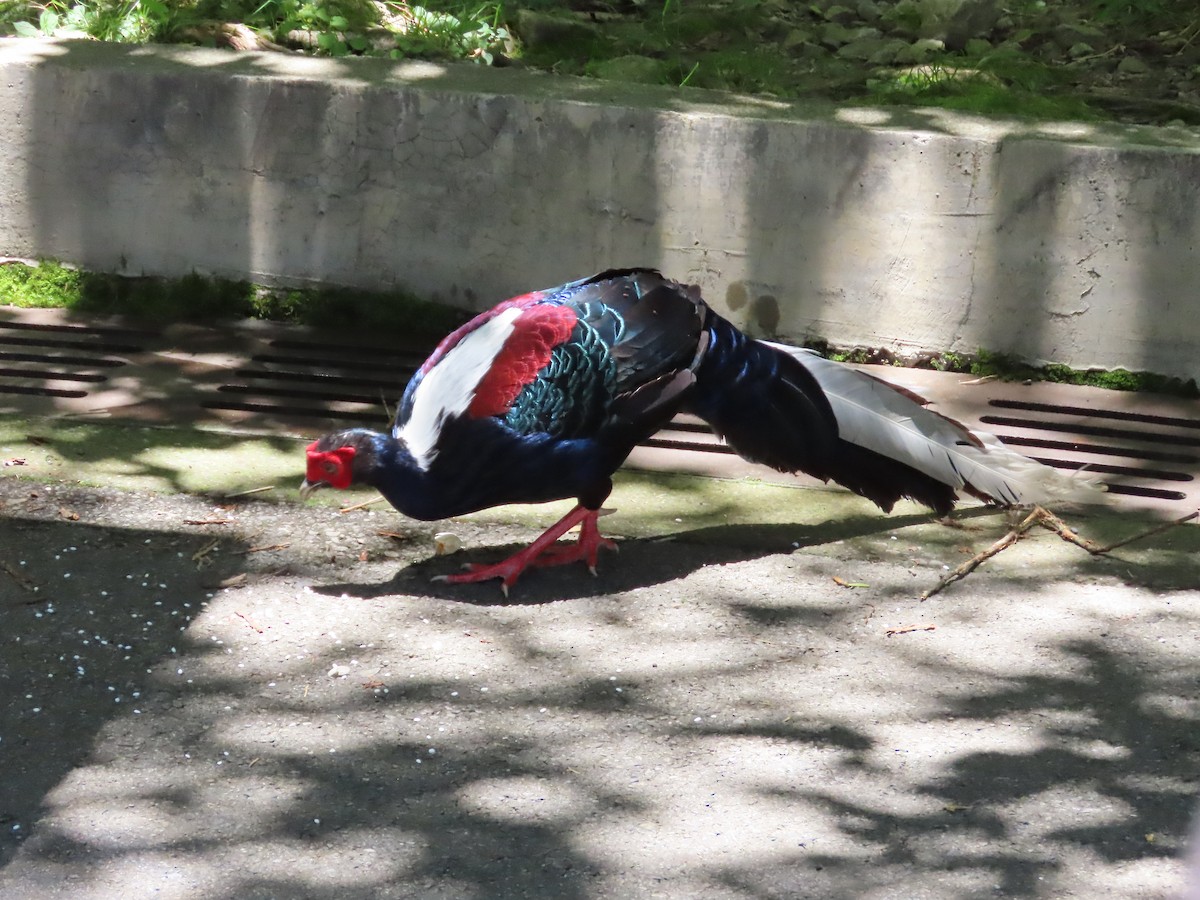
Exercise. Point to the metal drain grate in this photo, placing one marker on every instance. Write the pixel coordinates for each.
(1094, 446)
(308, 380)
(275, 379)
(1145, 447)
(53, 359)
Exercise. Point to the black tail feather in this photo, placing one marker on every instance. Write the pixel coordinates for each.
(770, 410)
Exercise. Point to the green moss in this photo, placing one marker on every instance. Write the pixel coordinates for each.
(191, 298)
(1004, 366)
(198, 298)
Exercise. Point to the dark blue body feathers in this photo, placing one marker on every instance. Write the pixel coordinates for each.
(544, 396)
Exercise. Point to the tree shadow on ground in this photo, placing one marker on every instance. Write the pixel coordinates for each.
(1110, 770)
(277, 780)
(88, 612)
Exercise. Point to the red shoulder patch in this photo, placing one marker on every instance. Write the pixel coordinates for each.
(526, 352)
(450, 341)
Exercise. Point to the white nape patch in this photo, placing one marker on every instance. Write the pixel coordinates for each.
(449, 387)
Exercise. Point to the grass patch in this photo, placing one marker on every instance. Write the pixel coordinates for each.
(999, 85)
(198, 298)
(1006, 367)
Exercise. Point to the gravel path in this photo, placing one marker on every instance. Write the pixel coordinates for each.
(187, 717)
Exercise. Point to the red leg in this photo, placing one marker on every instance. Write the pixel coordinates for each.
(543, 551)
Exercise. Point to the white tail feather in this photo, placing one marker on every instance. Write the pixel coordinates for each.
(883, 418)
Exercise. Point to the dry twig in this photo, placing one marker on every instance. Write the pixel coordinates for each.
(909, 629)
(1051, 522)
(266, 548)
(979, 558)
(248, 622)
(258, 490)
(365, 503)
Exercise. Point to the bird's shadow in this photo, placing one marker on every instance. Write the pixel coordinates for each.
(641, 562)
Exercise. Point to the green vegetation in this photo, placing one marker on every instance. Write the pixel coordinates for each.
(454, 30)
(1006, 367)
(1084, 60)
(199, 298)
(1011, 368)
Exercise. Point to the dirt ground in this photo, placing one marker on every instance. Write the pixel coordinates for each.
(189, 713)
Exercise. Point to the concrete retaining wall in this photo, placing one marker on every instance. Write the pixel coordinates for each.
(912, 230)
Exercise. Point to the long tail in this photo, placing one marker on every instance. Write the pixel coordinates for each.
(796, 411)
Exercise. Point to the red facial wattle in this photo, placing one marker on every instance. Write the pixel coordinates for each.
(330, 466)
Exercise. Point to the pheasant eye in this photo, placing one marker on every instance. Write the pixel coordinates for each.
(330, 467)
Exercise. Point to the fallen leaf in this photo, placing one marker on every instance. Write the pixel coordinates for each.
(849, 584)
(372, 685)
(68, 514)
(200, 556)
(233, 581)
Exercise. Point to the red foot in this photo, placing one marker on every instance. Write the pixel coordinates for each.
(544, 552)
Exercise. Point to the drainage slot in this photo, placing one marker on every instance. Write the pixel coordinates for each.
(1131, 490)
(81, 329)
(298, 411)
(85, 361)
(319, 363)
(297, 394)
(415, 357)
(39, 392)
(98, 346)
(314, 378)
(668, 444)
(1093, 431)
(1101, 450)
(1169, 421)
(1127, 471)
(50, 375)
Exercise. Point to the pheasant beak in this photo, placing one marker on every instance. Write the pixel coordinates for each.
(307, 487)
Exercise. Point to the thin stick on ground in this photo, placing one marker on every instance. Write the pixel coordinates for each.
(1055, 524)
(979, 558)
(1051, 522)
(257, 490)
(364, 504)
